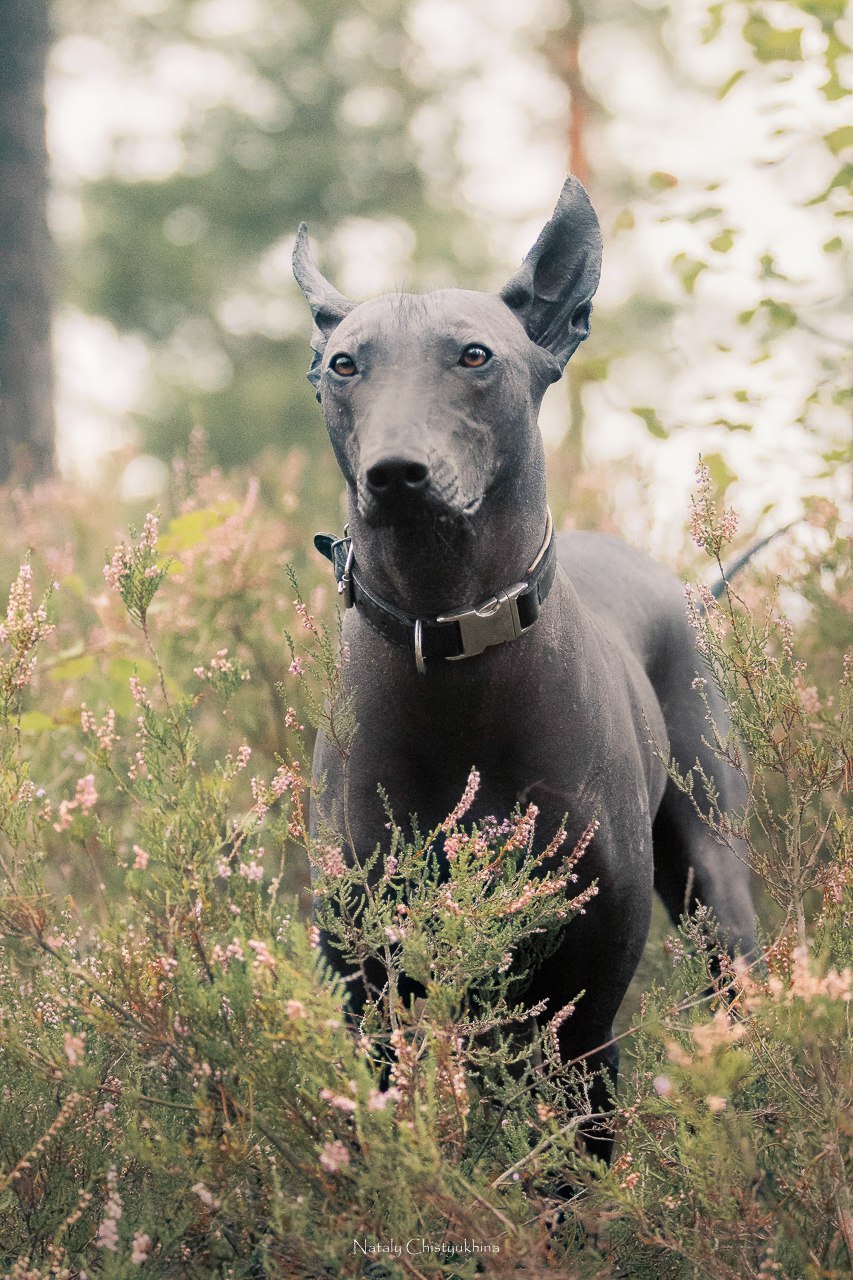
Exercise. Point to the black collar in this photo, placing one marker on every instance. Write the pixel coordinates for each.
(461, 634)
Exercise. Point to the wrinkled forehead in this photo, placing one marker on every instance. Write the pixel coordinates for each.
(459, 314)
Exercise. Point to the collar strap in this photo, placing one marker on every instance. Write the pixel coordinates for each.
(461, 634)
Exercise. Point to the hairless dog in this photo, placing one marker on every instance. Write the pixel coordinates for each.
(561, 665)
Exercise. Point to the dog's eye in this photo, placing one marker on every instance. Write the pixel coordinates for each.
(475, 356)
(343, 365)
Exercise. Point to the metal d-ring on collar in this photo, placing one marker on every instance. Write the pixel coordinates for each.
(420, 665)
(462, 634)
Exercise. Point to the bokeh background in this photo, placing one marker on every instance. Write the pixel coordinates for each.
(425, 142)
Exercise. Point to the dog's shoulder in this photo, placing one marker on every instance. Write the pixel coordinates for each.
(630, 594)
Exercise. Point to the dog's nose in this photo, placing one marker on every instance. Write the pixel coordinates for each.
(397, 476)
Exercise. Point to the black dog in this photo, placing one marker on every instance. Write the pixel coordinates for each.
(577, 658)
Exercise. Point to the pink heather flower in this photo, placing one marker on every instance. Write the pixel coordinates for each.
(107, 1237)
(291, 720)
(150, 532)
(74, 1046)
(141, 859)
(85, 799)
(334, 1156)
(662, 1085)
(106, 731)
(522, 832)
(251, 871)
(243, 755)
(261, 806)
(715, 1103)
(305, 617)
(26, 792)
(86, 795)
(446, 900)
(139, 1249)
(204, 1195)
(24, 628)
(234, 951)
(378, 1101)
(314, 936)
(296, 667)
(283, 780)
(338, 1100)
(263, 959)
(332, 862)
(118, 567)
(451, 846)
(138, 692)
(471, 789)
(808, 696)
(294, 1009)
(223, 869)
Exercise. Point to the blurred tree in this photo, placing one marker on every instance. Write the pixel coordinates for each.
(26, 259)
(733, 259)
(283, 111)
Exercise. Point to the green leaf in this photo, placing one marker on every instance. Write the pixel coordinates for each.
(730, 83)
(37, 722)
(625, 221)
(120, 670)
(768, 268)
(689, 270)
(660, 181)
(190, 529)
(72, 669)
(839, 139)
(721, 473)
(732, 426)
(715, 22)
(835, 245)
(826, 11)
(723, 242)
(833, 90)
(654, 426)
(780, 314)
(701, 215)
(771, 44)
(73, 583)
(844, 178)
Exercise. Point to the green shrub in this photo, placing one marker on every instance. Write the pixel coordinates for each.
(181, 1091)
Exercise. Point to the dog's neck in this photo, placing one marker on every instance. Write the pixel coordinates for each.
(427, 568)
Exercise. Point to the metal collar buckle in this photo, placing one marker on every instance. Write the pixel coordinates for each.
(492, 622)
(345, 583)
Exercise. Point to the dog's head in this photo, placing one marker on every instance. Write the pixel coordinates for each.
(431, 400)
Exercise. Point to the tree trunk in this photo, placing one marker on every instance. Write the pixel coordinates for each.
(26, 255)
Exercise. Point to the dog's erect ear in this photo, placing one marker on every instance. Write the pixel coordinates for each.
(328, 307)
(551, 293)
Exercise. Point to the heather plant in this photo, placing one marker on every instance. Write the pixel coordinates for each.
(792, 746)
(735, 1157)
(183, 1089)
